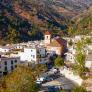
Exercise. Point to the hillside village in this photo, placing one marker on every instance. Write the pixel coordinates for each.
(46, 46)
(75, 51)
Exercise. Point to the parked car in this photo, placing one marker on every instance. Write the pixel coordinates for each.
(53, 89)
(47, 79)
(43, 79)
(55, 70)
(38, 82)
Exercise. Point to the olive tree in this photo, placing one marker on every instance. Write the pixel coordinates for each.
(59, 61)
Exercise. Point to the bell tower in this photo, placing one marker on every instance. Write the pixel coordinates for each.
(47, 38)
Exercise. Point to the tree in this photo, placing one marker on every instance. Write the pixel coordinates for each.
(79, 46)
(80, 59)
(88, 41)
(77, 69)
(59, 61)
(22, 79)
(78, 89)
(70, 30)
(70, 43)
(39, 69)
(79, 66)
(12, 35)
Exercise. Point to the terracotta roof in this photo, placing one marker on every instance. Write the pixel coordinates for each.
(61, 41)
(57, 42)
(47, 33)
(54, 43)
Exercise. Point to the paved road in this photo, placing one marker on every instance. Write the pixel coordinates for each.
(61, 81)
(65, 83)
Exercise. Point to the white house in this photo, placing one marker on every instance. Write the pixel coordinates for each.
(7, 64)
(5, 48)
(70, 55)
(29, 54)
(32, 54)
(18, 46)
(77, 38)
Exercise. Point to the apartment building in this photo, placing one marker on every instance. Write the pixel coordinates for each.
(8, 64)
(32, 54)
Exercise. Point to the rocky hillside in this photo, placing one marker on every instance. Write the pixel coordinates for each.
(84, 21)
(30, 18)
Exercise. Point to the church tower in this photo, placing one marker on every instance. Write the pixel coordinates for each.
(47, 38)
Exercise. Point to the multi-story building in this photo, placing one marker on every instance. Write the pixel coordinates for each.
(8, 64)
(32, 54)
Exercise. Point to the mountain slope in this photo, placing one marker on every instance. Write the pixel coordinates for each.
(32, 17)
(82, 23)
(28, 18)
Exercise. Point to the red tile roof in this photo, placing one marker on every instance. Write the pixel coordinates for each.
(61, 41)
(58, 42)
(47, 33)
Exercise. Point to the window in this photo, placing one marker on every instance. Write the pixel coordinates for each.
(11, 61)
(0, 65)
(5, 62)
(12, 68)
(5, 68)
(0, 73)
(15, 66)
(33, 56)
(47, 37)
(15, 61)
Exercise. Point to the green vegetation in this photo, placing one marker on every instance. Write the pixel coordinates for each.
(88, 41)
(12, 36)
(70, 43)
(39, 69)
(79, 66)
(78, 89)
(59, 61)
(79, 46)
(14, 29)
(31, 28)
(81, 27)
(22, 79)
(26, 28)
(80, 59)
(86, 21)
